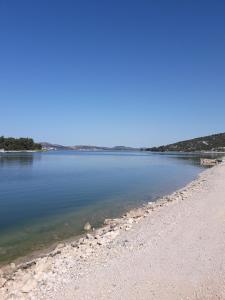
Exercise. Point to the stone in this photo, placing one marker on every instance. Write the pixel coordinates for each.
(54, 253)
(82, 241)
(111, 234)
(2, 281)
(130, 221)
(87, 226)
(75, 245)
(89, 236)
(27, 265)
(108, 221)
(29, 286)
(93, 243)
(136, 213)
(128, 227)
(42, 266)
(61, 245)
(12, 265)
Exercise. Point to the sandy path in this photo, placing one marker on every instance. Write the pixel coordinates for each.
(176, 252)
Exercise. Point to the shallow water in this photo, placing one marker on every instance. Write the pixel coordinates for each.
(47, 197)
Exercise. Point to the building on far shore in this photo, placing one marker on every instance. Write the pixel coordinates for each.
(2, 150)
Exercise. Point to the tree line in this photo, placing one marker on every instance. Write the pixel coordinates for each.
(18, 144)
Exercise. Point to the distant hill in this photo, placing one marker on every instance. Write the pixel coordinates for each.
(49, 146)
(215, 142)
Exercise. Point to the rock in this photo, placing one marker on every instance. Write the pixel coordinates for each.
(75, 245)
(136, 213)
(99, 232)
(128, 227)
(112, 223)
(87, 226)
(2, 281)
(89, 236)
(42, 265)
(29, 286)
(13, 266)
(130, 221)
(60, 246)
(108, 221)
(169, 199)
(111, 234)
(27, 265)
(93, 243)
(82, 241)
(115, 228)
(54, 253)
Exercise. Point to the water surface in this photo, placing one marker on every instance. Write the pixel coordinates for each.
(47, 197)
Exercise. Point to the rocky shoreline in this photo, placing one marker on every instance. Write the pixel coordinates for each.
(23, 281)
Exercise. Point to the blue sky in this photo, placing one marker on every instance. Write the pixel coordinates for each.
(112, 72)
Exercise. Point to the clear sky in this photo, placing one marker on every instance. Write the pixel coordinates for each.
(112, 72)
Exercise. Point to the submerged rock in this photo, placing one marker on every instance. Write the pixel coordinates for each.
(87, 226)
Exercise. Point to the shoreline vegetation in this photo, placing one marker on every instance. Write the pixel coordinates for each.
(47, 275)
(11, 144)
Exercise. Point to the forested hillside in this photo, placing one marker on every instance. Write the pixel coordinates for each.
(215, 142)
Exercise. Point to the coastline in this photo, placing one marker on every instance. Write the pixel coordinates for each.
(32, 256)
(30, 279)
(21, 151)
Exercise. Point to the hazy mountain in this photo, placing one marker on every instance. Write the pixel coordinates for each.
(49, 146)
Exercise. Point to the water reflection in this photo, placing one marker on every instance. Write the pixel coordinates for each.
(18, 159)
(190, 158)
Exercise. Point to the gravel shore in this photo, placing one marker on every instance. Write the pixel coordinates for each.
(168, 250)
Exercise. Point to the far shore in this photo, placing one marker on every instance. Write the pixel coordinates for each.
(21, 151)
(94, 150)
(167, 250)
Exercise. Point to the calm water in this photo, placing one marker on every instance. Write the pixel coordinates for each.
(47, 197)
